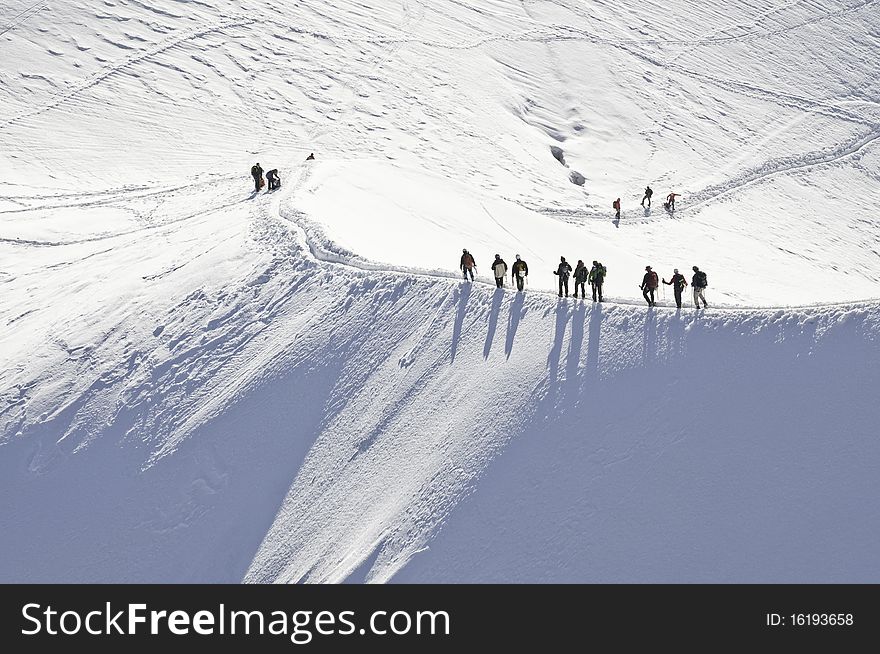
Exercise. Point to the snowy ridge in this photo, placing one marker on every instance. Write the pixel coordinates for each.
(396, 380)
(200, 383)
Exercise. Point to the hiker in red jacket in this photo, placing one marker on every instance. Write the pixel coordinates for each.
(670, 201)
(616, 206)
(467, 264)
(649, 285)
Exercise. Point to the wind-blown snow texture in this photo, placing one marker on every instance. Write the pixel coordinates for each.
(202, 384)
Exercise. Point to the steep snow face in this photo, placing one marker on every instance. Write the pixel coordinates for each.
(200, 383)
(308, 421)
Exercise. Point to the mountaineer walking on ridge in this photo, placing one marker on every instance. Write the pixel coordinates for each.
(563, 270)
(648, 194)
(649, 285)
(699, 283)
(616, 206)
(499, 267)
(257, 174)
(580, 279)
(467, 264)
(678, 283)
(597, 278)
(519, 272)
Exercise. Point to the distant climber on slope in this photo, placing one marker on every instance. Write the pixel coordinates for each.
(499, 267)
(467, 264)
(649, 285)
(580, 279)
(597, 278)
(616, 206)
(257, 174)
(519, 271)
(311, 157)
(273, 179)
(699, 284)
(678, 283)
(563, 271)
(670, 201)
(648, 194)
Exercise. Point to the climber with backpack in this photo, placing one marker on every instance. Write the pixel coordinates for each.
(678, 283)
(699, 283)
(580, 279)
(563, 271)
(597, 278)
(649, 284)
(519, 271)
(467, 265)
(257, 174)
(273, 179)
(499, 267)
(616, 206)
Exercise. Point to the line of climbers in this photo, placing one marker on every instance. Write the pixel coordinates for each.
(699, 283)
(519, 273)
(595, 276)
(271, 176)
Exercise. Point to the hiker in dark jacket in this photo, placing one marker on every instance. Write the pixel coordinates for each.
(500, 270)
(519, 272)
(563, 270)
(467, 264)
(257, 174)
(580, 279)
(648, 194)
(649, 285)
(616, 206)
(273, 179)
(678, 283)
(699, 284)
(597, 278)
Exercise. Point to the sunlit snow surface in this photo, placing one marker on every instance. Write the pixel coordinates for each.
(202, 384)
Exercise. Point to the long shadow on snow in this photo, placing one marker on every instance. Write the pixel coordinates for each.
(750, 468)
(649, 337)
(513, 318)
(556, 350)
(493, 321)
(575, 344)
(463, 292)
(592, 363)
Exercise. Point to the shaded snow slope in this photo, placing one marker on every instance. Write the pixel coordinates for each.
(198, 383)
(308, 421)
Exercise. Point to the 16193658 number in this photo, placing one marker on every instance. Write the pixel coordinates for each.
(821, 619)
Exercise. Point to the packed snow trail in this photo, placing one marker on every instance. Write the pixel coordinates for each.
(202, 384)
(309, 421)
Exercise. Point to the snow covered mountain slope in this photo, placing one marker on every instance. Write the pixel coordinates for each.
(202, 384)
(762, 115)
